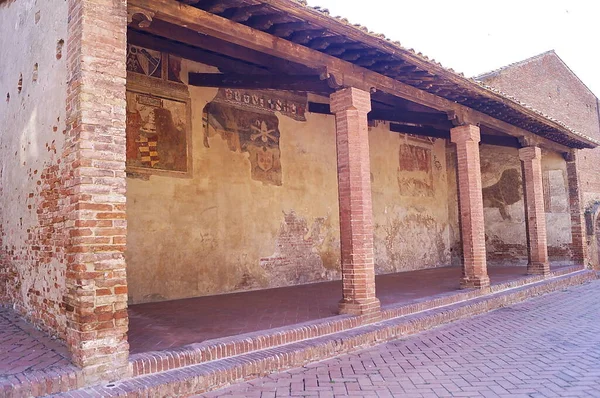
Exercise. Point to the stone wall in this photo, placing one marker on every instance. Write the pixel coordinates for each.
(259, 208)
(33, 80)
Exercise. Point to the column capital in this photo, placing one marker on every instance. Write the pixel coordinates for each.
(468, 132)
(530, 153)
(350, 98)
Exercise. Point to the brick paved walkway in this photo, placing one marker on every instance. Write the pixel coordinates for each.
(23, 348)
(545, 347)
(169, 324)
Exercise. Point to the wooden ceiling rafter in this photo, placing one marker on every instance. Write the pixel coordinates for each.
(223, 63)
(183, 35)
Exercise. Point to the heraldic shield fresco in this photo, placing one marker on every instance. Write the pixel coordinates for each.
(156, 132)
(158, 116)
(247, 121)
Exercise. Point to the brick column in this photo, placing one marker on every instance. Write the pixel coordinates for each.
(470, 200)
(535, 215)
(95, 300)
(578, 236)
(350, 107)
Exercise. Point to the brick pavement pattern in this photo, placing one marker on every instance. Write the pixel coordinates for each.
(24, 348)
(545, 347)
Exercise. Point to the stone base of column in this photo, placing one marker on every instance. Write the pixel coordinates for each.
(369, 308)
(538, 269)
(474, 282)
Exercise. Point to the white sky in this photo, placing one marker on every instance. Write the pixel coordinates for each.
(476, 36)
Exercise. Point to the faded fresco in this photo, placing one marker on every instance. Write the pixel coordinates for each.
(252, 132)
(504, 207)
(507, 191)
(415, 171)
(156, 132)
(411, 227)
(144, 61)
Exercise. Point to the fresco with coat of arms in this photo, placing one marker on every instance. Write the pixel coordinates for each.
(248, 131)
(156, 132)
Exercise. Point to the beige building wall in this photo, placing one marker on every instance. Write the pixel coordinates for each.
(33, 82)
(222, 230)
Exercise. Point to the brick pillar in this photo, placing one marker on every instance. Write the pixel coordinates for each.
(95, 300)
(578, 236)
(535, 215)
(470, 200)
(350, 107)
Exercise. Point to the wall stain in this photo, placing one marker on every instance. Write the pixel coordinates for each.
(505, 192)
(302, 254)
(409, 242)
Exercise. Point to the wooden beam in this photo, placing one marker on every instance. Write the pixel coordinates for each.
(427, 131)
(192, 38)
(349, 74)
(225, 64)
(310, 83)
(420, 130)
(422, 118)
(295, 9)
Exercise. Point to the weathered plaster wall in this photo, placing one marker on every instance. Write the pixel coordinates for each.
(33, 78)
(506, 239)
(410, 190)
(222, 230)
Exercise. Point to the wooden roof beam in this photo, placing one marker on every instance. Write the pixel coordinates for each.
(309, 83)
(225, 64)
(346, 74)
(186, 36)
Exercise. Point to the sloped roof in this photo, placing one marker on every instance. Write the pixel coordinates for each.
(315, 28)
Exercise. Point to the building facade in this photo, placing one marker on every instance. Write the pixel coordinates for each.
(143, 162)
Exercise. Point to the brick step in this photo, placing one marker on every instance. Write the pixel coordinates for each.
(203, 377)
(193, 354)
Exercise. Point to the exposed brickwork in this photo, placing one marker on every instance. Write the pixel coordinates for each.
(350, 107)
(274, 342)
(470, 201)
(514, 351)
(535, 218)
(579, 245)
(96, 286)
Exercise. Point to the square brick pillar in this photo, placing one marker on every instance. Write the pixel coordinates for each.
(95, 300)
(578, 235)
(470, 198)
(351, 107)
(535, 214)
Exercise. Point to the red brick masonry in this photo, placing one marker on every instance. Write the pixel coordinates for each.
(351, 107)
(531, 158)
(470, 201)
(267, 352)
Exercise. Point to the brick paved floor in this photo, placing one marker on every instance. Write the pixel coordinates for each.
(23, 348)
(159, 326)
(545, 347)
